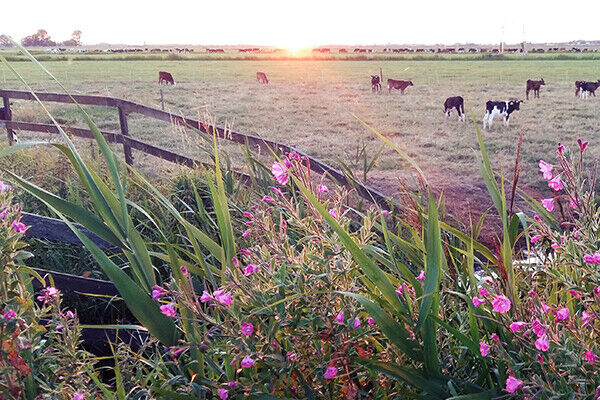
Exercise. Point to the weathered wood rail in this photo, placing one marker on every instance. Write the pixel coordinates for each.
(126, 107)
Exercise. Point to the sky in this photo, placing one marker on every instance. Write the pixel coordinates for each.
(304, 23)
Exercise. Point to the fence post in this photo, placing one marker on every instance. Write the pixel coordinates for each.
(8, 117)
(162, 100)
(125, 132)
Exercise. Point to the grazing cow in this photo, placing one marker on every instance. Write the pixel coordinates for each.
(589, 87)
(454, 102)
(400, 85)
(504, 108)
(535, 86)
(166, 78)
(261, 77)
(375, 83)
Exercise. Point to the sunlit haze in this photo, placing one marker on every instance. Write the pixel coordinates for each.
(299, 24)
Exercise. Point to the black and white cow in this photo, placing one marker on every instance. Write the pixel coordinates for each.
(504, 108)
(587, 88)
(454, 102)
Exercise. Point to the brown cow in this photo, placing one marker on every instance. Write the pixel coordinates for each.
(454, 102)
(375, 83)
(400, 85)
(535, 86)
(262, 77)
(166, 78)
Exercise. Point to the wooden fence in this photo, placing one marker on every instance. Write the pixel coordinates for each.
(125, 107)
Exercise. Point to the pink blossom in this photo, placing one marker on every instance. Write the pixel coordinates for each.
(330, 373)
(277, 191)
(590, 357)
(582, 145)
(517, 326)
(574, 203)
(560, 149)
(548, 204)
(562, 314)
(222, 297)
(168, 309)
(484, 348)
(556, 184)
(279, 172)
(545, 308)
(356, 323)
(79, 396)
(19, 226)
(421, 276)
(70, 314)
(495, 338)
(555, 246)
(540, 358)
(247, 329)
(333, 213)
(597, 291)
(535, 238)
(268, 199)
(340, 317)
(538, 329)
(291, 356)
(595, 259)
(399, 290)
(370, 321)
(586, 318)
(205, 297)
(248, 215)
(250, 269)
(4, 213)
(223, 393)
(483, 291)
(501, 304)
(477, 301)
(232, 384)
(542, 343)
(9, 315)
(247, 362)
(246, 252)
(322, 188)
(48, 294)
(246, 233)
(158, 292)
(512, 384)
(575, 294)
(545, 169)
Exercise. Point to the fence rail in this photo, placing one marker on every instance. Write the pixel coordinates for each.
(126, 107)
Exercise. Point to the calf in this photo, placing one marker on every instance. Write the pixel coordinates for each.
(262, 77)
(578, 87)
(400, 85)
(535, 86)
(375, 83)
(166, 78)
(589, 87)
(454, 102)
(504, 108)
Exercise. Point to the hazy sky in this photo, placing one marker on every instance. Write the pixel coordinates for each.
(304, 23)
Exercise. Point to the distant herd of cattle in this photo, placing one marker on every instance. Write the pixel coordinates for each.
(583, 89)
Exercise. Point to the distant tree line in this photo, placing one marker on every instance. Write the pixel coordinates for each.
(42, 39)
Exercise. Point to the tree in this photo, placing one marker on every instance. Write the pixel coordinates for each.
(75, 39)
(5, 41)
(40, 38)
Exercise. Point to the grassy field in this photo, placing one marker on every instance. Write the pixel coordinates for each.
(310, 104)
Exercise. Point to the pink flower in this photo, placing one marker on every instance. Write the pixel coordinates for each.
(250, 269)
(356, 323)
(9, 315)
(246, 252)
(484, 348)
(330, 373)
(246, 233)
(70, 314)
(340, 317)
(586, 318)
(421, 276)
(322, 188)
(333, 213)
(232, 384)
(590, 357)
(582, 145)
(399, 290)
(548, 204)
(158, 292)
(573, 203)
(235, 262)
(279, 172)
(4, 213)
(597, 291)
(560, 149)
(501, 304)
(535, 238)
(168, 309)
(595, 259)
(370, 321)
(48, 294)
(477, 301)
(575, 294)
(79, 396)
(483, 291)
(556, 184)
(184, 270)
(247, 362)
(268, 199)
(545, 308)
(517, 326)
(562, 314)
(512, 384)
(223, 393)
(555, 246)
(542, 343)
(276, 190)
(291, 356)
(205, 297)
(19, 226)
(495, 338)
(545, 169)
(538, 329)
(247, 329)
(248, 215)
(222, 297)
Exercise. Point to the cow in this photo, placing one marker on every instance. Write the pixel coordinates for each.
(454, 102)
(535, 86)
(587, 88)
(261, 77)
(375, 83)
(400, 85)
(166, 78)
(504, 108)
